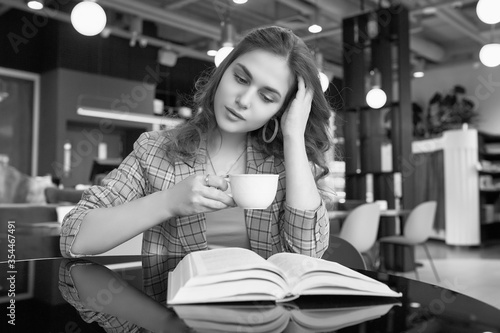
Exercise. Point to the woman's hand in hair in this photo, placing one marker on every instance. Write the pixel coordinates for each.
(193, 195)
(294, 120)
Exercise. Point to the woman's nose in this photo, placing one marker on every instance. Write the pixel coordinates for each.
(243, 100)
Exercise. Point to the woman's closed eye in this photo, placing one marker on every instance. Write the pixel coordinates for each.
(240, 79)
(266, 99)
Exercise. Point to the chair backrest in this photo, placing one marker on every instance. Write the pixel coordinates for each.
(418, 225)
(341, 251)
(360, 228)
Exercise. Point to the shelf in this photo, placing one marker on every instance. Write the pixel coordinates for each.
(489, 155)
(489, 223)
(485, 172)
(489, 190)
(488, 162)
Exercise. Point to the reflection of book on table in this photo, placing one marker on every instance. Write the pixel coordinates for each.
(237, 274)
(282, 317)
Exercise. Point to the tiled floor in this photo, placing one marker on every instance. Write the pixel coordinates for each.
(473, 271)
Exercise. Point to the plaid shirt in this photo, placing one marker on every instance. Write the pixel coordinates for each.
(110, 324)
(279, 228)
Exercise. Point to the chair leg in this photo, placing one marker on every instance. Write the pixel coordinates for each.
(416, 272)
(432, 262)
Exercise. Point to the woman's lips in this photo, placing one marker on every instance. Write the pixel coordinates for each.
(236, 114)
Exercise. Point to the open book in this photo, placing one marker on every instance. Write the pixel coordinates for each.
(237, 274)
(281, 317)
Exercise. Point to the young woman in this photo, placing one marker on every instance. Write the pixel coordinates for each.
(262, 111)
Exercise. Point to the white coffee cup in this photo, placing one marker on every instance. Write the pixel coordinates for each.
(253, 191)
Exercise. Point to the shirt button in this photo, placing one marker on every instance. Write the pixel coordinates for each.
(65, 230)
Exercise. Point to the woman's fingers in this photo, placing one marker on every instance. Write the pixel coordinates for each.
(216, 181)
(215, 187)
(301, 87)
(219, 195)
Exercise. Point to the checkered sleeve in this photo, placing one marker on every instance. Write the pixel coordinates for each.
(70, 294)
(124, 184)
(306, 231)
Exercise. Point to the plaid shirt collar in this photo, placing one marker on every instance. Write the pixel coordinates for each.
(254, 157)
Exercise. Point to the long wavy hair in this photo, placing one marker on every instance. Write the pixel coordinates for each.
(282, 42)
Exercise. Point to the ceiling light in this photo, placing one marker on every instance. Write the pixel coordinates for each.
(490, 55)
(106, 32)
(429, 10)
(418, 74)
(323, 79)
(376, 97)
(227, 38)
(88, 18)
(212, 48)
(314, 28)
(35, 4)
(136, 30)
(143, 42)
(240, 2)
(167, 57)
(418, 71)
(488, 11)
(222, 54)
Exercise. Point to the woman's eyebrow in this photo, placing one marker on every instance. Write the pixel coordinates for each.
(247, 73)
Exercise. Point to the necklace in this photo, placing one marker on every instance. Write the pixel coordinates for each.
(232, 166)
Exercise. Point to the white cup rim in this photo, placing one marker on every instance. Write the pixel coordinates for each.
(253, 175)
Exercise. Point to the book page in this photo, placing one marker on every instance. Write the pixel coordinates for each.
(249, 289)
(295, 266)
(218, 261)
(307, 275)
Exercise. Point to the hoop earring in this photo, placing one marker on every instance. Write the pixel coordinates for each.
(276, 124)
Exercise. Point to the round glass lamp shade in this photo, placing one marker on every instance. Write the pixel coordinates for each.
(314, 28)
(488, 11)
(34, 4)
(88, 18)
(376, 98)
(323, 79)
(222, 54)
(490, 55)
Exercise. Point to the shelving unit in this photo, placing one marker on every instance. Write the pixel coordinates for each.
(368, 175)
(489, 186)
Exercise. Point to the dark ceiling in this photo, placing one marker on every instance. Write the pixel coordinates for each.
(442, 31)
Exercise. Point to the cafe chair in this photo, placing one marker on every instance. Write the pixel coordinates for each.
(416, 231)
(360, 228)
(342, 252)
